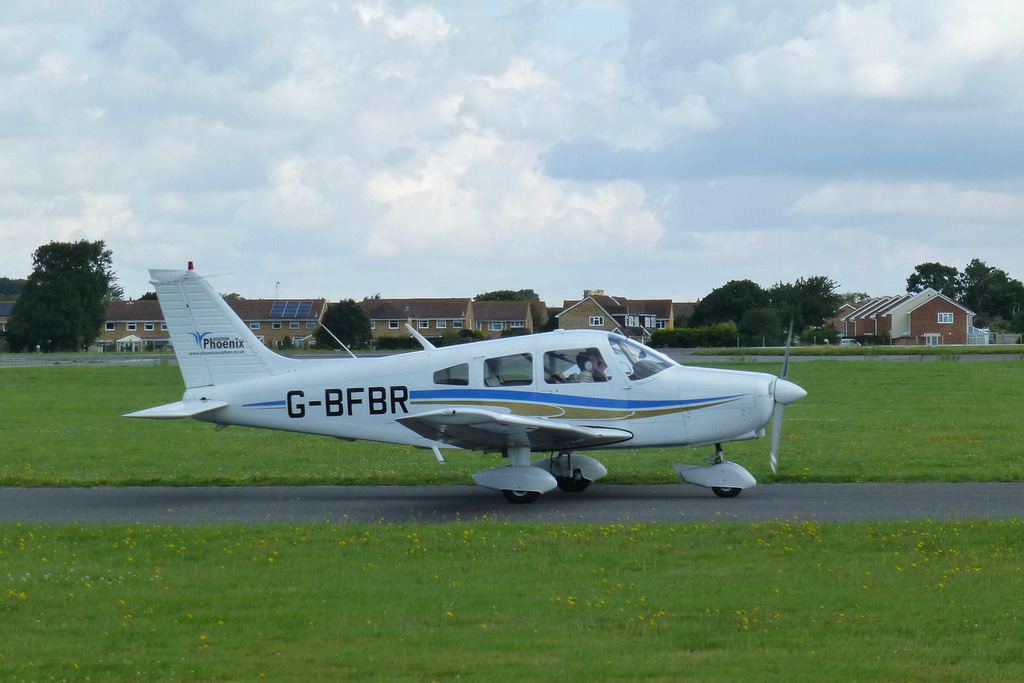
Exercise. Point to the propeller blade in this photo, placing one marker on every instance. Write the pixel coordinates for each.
(785, 392)
(776, 436)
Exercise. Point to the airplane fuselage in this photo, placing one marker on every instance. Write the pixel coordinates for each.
(364, 398)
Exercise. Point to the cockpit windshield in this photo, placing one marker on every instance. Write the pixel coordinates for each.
(636, 360)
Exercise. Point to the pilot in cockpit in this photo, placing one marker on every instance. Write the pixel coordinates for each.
(592, 367)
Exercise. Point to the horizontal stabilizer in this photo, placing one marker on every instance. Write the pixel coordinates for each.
(181, 409)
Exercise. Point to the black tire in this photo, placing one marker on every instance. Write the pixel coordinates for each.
(520, 496)
(725, 492)
(570, 485)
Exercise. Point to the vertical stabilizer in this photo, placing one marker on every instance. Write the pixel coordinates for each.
(212, 344)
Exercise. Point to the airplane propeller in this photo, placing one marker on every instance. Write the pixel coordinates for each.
(785, 393)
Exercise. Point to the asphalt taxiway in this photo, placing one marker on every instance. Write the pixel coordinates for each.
(600, 504)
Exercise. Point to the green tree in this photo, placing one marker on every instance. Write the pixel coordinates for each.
(990, 292)
(728, 303)
(808, 302)
(348, 321)
(941, 278)
(62, 307)
(761, 327)
(508, 295)
(854, 297)
(11, 288)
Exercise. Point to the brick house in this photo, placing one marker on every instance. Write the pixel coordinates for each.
(631, 318)
(431, 317)
(926, 318)
(6, 308)
(494, 318)
(139, 325)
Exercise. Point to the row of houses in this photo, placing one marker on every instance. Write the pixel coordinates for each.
(925, 318)
(139, 325)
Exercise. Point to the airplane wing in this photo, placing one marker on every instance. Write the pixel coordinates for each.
(175, 411)
(485, 430)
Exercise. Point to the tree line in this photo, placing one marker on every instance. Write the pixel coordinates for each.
(60, 307)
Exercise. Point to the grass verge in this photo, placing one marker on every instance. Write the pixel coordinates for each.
(482, 600)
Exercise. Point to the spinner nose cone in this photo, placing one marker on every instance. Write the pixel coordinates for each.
(786, 392)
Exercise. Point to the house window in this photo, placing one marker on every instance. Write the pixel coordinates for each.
(163, 327)
(275, 326)
(424, 324)
(517, 324)
(392, 324)
(373, 324)
(597, 321)
(293, 325)
(254, 325)
(110, 327)
(132, 327)
(150, 327)
(945, 318)
(496, 326)
(311, 325)
(442, 324)
(459, 323)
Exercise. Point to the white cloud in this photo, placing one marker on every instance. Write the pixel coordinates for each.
(939, 200)
(482, 197)
(421, 24)
(886, 49)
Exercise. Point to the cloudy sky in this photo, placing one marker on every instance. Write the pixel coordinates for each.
(652, 149)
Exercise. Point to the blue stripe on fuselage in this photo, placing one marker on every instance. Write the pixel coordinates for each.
(558, 399)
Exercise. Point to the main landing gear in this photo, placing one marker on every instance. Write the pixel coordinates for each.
(522, 481)
(726, 479)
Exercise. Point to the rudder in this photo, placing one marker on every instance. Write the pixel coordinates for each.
(213, 345)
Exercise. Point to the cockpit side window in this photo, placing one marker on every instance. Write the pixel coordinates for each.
(509, 371)
(575, 365)
(456, 374)
(636, 360)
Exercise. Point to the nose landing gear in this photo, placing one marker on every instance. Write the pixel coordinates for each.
(726, 479)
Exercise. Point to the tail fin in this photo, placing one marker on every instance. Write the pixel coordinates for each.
(212, 344)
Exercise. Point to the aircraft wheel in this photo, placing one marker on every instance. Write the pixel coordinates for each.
(520, 496)
(725, 492)
(570, 485)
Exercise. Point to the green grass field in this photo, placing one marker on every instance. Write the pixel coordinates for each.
(861, 421)
(778, 601)
(788, 600)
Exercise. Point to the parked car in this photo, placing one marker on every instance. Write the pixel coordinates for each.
(849, 342)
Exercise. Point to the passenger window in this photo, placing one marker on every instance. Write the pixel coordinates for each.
(575, 365)
(509, 371)
(457, 374)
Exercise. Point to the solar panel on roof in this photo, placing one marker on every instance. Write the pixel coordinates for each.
(291, 309)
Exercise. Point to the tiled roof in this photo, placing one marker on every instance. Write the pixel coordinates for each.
(417, 309)
(485, 311)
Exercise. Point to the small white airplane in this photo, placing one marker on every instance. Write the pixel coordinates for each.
(557, 393)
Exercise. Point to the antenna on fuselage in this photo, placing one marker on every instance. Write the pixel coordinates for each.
(420, 338)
